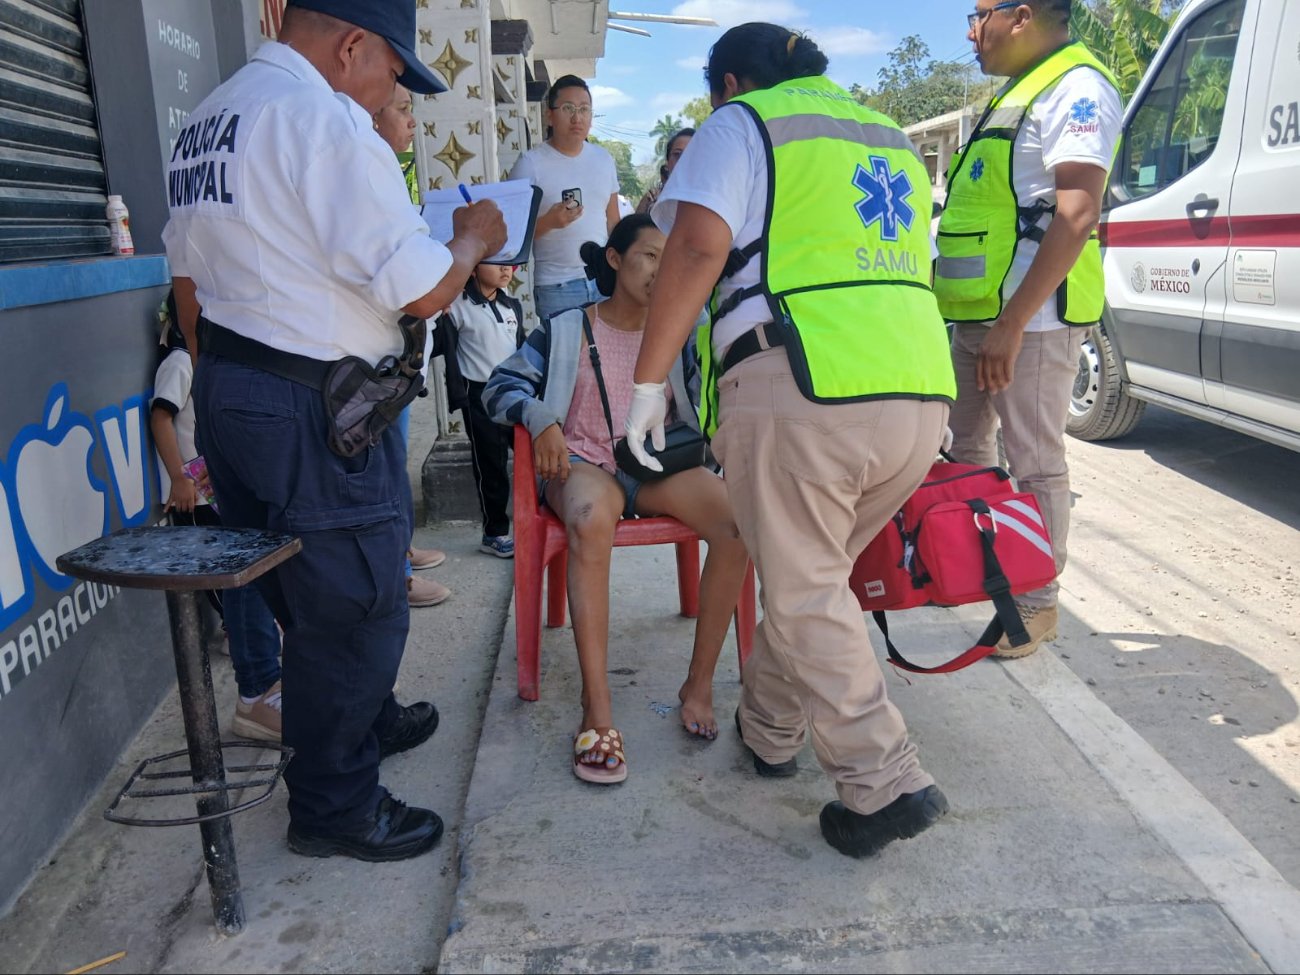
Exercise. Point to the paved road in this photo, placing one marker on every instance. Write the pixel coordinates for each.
(1186, 567)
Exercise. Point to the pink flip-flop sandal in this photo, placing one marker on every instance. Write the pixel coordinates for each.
(609, 744)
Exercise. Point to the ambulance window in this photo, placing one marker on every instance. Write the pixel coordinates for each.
(1176, 126)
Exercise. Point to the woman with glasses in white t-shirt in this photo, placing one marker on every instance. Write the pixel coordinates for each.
(579, 198)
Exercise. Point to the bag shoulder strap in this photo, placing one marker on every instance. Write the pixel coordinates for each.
(985, 645)
(1006, 619)
(588, 316)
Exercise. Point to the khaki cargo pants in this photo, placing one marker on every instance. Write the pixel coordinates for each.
(810, 485)
(1032, 412)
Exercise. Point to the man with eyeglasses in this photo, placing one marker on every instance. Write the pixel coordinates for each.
(1019, 269)
(579, 183)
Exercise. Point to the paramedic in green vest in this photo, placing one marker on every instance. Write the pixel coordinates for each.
(826, 389)
(1019, 268)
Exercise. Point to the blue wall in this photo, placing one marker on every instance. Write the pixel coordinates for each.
(82, 666)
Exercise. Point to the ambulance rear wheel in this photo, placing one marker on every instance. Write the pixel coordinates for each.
(1099, 407)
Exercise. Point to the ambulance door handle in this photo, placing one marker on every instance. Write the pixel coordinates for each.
(1202, 206)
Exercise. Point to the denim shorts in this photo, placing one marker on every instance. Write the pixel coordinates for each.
(551, 299)
(627, 482)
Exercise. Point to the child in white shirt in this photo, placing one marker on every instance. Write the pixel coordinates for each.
(480, 329)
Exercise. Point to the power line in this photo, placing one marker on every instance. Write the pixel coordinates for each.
(622, 127)
(958, 52)
(610, 131)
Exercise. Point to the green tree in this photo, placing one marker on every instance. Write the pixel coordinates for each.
(697, 110)
(912, 86)
(1124, 34)
(628, 182)
(663, 131)
(906, 64)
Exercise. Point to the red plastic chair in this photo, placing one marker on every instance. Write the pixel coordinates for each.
(542, 547)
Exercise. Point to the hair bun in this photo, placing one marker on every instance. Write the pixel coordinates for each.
(591, 253)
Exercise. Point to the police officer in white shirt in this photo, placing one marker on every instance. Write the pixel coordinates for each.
(292, 230)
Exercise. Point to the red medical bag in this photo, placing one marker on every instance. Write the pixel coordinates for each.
(964, 536)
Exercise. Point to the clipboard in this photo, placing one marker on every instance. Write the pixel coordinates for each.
(519, 201)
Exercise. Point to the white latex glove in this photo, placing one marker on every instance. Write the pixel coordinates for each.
(646, 415)
(946, 445)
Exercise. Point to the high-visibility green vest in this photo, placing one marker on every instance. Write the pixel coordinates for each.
(845, 252)
(983, 222)
(407, 161)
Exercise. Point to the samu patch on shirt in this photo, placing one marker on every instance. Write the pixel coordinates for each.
(1084, 117)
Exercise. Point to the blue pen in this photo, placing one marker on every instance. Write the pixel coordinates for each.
(465, 193)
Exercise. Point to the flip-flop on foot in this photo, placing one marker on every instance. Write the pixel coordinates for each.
(608, 744)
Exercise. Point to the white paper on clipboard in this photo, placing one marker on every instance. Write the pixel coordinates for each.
(518, 200)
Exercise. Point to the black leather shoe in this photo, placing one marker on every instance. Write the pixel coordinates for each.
(413, 726)
(856, 835)
(395, 831)
(782, 770)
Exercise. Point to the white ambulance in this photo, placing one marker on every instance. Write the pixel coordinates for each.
(1201, 234)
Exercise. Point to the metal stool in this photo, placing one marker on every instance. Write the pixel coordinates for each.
(183, 561)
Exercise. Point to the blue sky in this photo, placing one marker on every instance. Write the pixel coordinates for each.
(640, 79)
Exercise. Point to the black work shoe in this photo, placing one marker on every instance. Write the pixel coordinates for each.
(414, 724)
(782, 770)
(856, 835)
(395, 831)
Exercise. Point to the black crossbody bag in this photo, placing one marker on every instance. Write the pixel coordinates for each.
(683, 444)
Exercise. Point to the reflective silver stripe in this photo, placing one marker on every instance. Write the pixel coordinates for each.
(961, 268)
(1006, 118)
(1025, 510)
(795, 128)
(1039, 542)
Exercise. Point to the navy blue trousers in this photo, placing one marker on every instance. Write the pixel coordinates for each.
(342, 599)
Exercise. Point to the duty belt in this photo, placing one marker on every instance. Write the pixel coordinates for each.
(222, 341)
(756, 340)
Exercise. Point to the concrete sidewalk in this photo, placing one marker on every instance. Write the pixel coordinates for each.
(1060, 853)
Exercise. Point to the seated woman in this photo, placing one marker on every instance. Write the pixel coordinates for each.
(550, 387)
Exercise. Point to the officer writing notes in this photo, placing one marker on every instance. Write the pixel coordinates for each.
(292, 230)
(827, 385)
(1019, 267)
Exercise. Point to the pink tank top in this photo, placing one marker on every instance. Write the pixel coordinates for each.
(585, 429)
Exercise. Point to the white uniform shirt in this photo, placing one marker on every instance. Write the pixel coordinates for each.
(724, 169)
(1077, 121)
(171, 385)
(486, 331)
(555, 254)
(291, 215)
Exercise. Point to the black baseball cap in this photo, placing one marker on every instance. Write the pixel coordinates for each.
(394, 21)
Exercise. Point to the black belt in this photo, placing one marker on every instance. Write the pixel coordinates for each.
(222, 341)
(756, 340)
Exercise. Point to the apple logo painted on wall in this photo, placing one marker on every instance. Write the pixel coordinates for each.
(51, 498)
(63, 503)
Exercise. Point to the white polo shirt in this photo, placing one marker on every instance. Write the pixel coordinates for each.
(291, 215)
(724, 169)
(487, 331)
(171, 390)
(1078, 120)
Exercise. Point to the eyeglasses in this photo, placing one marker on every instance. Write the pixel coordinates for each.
(570, 109)
(979, 15)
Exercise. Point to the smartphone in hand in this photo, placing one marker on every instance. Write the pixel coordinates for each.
(571, 198)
